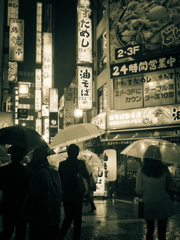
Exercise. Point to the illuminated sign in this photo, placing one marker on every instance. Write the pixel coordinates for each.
(53, 100)
(84, 87)
(144, 117)
(13, 10)
(24, 89)
(145, 90)
(84, 32)
(37, 100)
(53, 125)
(153, 26)
(12, 71)
(6, 119)
(45, 110)
(16, 40)
(39, 126)
(47, 66)
(46, 127)
(143, 66)
(100, 120)
(39, 33)
(38, 81)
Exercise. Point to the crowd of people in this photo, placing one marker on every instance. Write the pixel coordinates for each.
(34, 194)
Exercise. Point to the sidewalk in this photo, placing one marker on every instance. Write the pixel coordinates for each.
(114, 220)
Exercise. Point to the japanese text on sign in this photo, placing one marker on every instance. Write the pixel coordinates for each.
(84, 33)
(84, 87)
(129, 68)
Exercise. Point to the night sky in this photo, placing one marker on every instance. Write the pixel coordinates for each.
(65, 59)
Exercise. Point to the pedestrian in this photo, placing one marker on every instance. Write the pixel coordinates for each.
(72, 199)
(43, 205)
(91, 189)
(14, 186)
(152, 179)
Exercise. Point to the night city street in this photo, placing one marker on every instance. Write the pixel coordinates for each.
(115, 220)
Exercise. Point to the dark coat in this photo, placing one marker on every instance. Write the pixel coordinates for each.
(68, 170)
(14, 185)
(44, 200)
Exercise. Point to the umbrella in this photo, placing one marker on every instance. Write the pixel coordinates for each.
(170, 152)
(21, 136)
(91, 159)
(76, 133)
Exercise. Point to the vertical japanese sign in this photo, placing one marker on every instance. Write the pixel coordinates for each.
(84, 88)
(16, 40)
(47, 66)
(84, 48)
(38, 84)
(68, 106)
(12, 72)
(39, 126)
(177, 73)
(39, 32)
(13, 10)
(53, 100)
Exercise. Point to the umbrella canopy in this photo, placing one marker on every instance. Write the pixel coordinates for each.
(170, 152)
(91, 159)
(21, 136)
(3, 150)
(76, 133)
(4, 157)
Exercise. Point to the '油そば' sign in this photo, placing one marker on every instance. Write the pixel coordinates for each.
(84, 87)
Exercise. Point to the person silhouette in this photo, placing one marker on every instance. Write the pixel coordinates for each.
(14, 185)
(72, 199)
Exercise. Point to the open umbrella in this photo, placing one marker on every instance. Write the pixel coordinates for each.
(170, 152)
(4, 157)
(91, 159)
(21, 136)
(76, 133)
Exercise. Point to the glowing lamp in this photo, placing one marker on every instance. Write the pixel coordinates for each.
(78, 113)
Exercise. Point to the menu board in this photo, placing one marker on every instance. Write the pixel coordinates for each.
(159, 88)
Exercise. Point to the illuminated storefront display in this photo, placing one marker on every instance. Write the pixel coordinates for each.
(47, 66)
(142, 28)
(84, 32)
(13, 10)
(144, 117)
(53, 97)
(16, 40)
(84, 87)
(12, 72)
(39, 33)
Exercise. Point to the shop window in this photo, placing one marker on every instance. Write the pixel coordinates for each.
(102, 99)
(102, 58)
(101, 10)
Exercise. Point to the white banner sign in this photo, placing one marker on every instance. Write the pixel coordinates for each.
(16, 40)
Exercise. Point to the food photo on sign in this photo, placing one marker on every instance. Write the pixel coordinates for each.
(153, 25)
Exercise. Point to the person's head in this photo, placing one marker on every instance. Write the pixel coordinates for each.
(39, 157)
(17, 153)
(73, 150)
(152, 164)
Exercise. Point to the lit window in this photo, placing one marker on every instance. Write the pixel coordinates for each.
(23, 89)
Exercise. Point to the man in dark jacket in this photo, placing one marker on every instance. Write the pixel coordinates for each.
(14, 186)
(72, 199)
(44, 200)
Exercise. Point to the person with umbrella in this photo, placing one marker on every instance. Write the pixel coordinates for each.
(14, 186)
(151, 182)
(43, 205)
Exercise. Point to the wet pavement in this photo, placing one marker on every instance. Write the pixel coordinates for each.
(114, 220)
